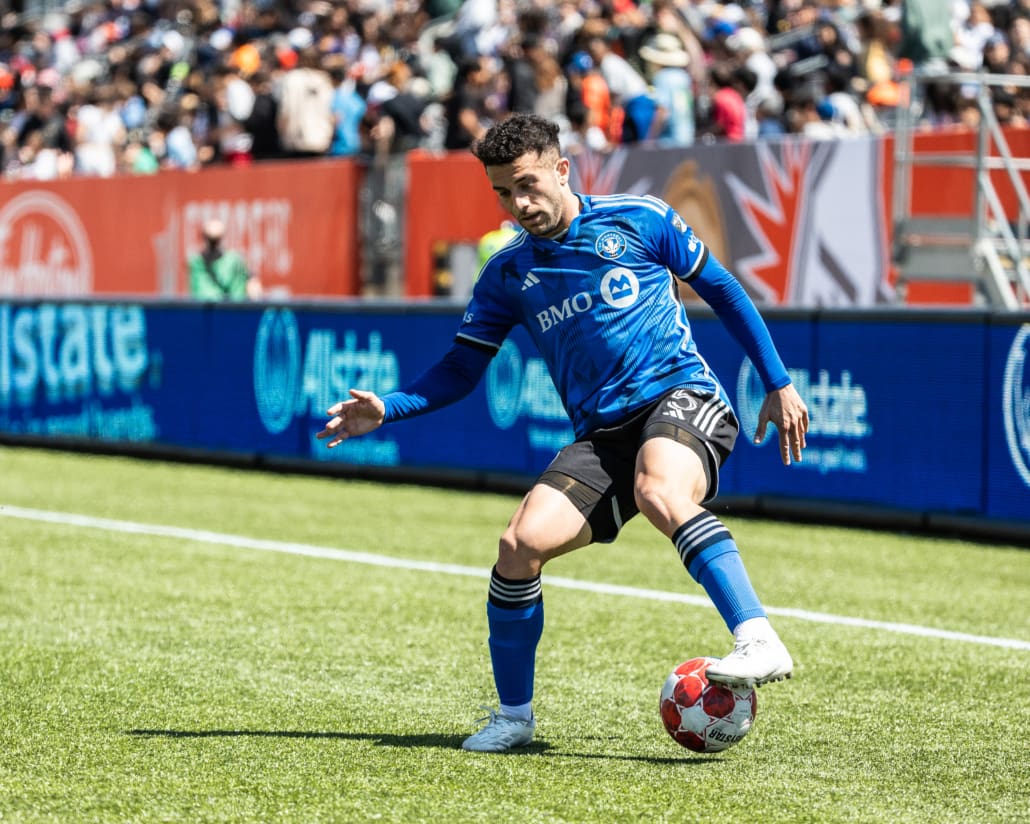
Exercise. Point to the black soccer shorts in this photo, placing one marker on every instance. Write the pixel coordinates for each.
(596, 472)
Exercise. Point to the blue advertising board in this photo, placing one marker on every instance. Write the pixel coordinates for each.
(909, 411)
(1007, 428)
(892, 399)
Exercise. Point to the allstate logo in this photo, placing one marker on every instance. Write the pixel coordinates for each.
(1015, 403)
(750, 397)
(277, 368)
(611, 245)
(504, 386)
(619, 288)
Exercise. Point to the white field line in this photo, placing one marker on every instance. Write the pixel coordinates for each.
(370, 559)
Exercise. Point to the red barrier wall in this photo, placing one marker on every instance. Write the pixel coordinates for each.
(449, 199)
(297, 222)
(294, 222)
(948, 191)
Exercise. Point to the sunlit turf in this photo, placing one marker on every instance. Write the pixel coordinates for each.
(149, 678)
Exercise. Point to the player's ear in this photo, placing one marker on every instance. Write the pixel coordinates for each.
(562, 170)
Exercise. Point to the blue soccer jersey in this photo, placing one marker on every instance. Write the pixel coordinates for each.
(602, 306)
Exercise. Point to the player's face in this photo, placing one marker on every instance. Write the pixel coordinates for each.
(534, 189)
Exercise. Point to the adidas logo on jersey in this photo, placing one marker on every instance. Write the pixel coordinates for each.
(530, 281)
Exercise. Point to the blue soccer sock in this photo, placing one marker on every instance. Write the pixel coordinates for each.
(713, 560)
(515, 614)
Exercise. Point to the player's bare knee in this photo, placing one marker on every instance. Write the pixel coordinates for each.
(652, 497)
(518, 557)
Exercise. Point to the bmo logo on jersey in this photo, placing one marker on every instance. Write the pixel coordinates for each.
(553, 315)
(619, 289)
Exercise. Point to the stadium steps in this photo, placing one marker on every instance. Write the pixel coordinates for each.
(949, 250)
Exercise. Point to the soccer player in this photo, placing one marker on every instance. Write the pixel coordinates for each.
(593, 280)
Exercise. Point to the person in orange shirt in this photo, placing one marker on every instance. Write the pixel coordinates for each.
(588, 90)
(245, 57)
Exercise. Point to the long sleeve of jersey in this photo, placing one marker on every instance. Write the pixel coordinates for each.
(723, 292)
(449, 380)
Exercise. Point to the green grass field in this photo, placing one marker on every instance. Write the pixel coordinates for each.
(218, 669)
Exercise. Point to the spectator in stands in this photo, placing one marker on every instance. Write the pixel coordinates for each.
(665, 60)
(474, 31)
(819, 121)
(8, 94)
(549, 82)
(629, 91)
(216, 273)
(44, 115)
(139, 157)
(348, 109)
(875, 63)
(438, 67)
(99, 133)
(846, 108)
(669, 16)
(748, 49)
(588, 103)
(997, 54)
(839, 58)
(520, 75)
(262, 124)
(473, 105)
(973, 33)
(769, 118)
(395, 106)
(1019, 37)
(305, 107)
(729, 116)
(239, 61)
(180, 142)
(968, 112)
(570, 21)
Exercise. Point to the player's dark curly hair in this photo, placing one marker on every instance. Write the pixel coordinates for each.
(508, 140)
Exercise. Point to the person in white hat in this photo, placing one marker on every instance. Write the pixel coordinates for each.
(666, 60)
(748, 48)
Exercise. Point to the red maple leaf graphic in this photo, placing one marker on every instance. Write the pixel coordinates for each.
(772, 216)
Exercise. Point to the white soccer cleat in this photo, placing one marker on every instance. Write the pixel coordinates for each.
(753, 662)
(500, 734)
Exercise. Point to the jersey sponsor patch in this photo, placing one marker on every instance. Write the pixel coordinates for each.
(679, 222)
(620, 288)
(611, 245)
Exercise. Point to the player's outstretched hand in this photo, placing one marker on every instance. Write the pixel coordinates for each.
(784, 408)
(359, 415)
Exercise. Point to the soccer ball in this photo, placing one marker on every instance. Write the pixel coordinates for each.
(703, 716)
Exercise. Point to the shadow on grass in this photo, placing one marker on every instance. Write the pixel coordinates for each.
(449, 742)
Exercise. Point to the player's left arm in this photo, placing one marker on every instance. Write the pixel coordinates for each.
(782, 406)
(691, 261)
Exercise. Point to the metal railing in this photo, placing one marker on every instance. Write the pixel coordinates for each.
(995, 245)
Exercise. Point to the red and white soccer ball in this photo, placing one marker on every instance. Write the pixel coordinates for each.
(704, 716)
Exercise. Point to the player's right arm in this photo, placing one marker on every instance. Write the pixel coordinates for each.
(359, 415)
(449, 380)
(485, 325)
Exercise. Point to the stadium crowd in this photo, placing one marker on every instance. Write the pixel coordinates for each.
(102, 87)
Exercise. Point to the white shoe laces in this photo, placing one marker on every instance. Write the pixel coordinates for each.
(741, 647)
(492, 715)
